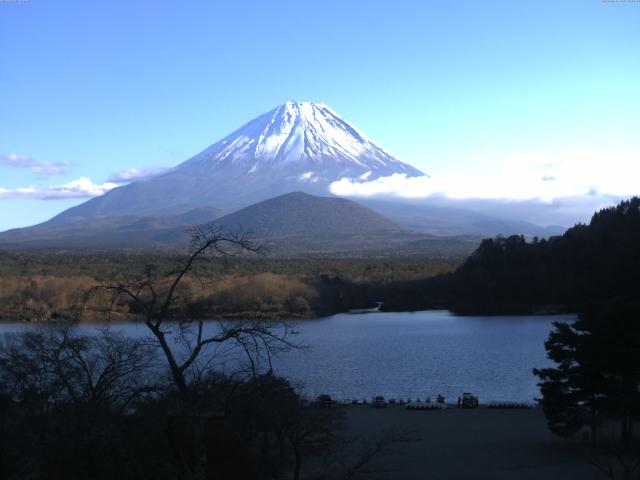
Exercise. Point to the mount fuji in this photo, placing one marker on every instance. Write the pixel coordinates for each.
(298, 146)
(248, 179)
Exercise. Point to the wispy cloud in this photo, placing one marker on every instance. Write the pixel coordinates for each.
(80, 188)
(135, 174)
(41, 168)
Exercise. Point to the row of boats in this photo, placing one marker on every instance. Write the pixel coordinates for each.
(466, 401)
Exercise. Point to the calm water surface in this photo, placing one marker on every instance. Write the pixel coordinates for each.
(413, 354)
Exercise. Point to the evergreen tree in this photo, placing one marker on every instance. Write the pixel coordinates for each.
(597, 377)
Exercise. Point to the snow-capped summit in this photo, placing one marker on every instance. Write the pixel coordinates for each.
(298, 146)
(306, 139)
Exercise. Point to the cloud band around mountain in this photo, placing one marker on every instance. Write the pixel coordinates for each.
(543, 175)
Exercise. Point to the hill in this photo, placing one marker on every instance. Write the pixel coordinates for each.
(302, 225)
(301, 214)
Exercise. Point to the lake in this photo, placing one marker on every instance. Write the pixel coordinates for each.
(412, 354)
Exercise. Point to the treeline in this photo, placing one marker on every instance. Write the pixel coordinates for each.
(112, 264)
(40, 287)
(589, 264)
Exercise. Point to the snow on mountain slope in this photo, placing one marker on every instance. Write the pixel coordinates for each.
(298, 146)
(299, 134)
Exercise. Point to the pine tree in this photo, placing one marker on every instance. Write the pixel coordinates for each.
(597, 378)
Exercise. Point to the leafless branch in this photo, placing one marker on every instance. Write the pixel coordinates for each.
(256, 339)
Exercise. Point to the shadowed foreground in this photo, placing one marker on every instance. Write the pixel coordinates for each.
(473, 444)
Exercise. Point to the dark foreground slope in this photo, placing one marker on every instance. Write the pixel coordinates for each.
(594, 263)
(480, 444)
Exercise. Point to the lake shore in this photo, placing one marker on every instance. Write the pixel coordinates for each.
(473, 444)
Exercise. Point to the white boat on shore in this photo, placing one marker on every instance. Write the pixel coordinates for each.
(367, 310)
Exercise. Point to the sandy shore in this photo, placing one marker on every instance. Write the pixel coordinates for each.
(472, 444)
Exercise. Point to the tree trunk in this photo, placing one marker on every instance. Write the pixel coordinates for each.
(593, 426)
(298, 459)
(625, 429)
(176, 373)
(280, 450)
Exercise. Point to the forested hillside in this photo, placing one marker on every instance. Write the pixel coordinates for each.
(594, 263)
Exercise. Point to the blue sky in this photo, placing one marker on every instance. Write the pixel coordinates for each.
(477, 94)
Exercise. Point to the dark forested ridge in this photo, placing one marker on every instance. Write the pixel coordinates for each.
(594, 263)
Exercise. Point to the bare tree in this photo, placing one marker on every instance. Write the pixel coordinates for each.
(69, 402)
(156, 303)
(57, 365)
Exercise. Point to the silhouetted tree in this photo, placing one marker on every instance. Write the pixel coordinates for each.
(154, 297)
(597, 377)
(66, 399)
(184, 341)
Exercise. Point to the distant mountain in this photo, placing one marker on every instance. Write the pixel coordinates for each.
(442, 220)
(298, 225)
(110, 232)
(196, 216)
(298, 146)
(294, 225)
(301, 214)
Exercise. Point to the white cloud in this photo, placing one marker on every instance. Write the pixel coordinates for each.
(397, 184)
(307, 177)
(80, 188)
(41, 168)
(543, 175)
(134, 174)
